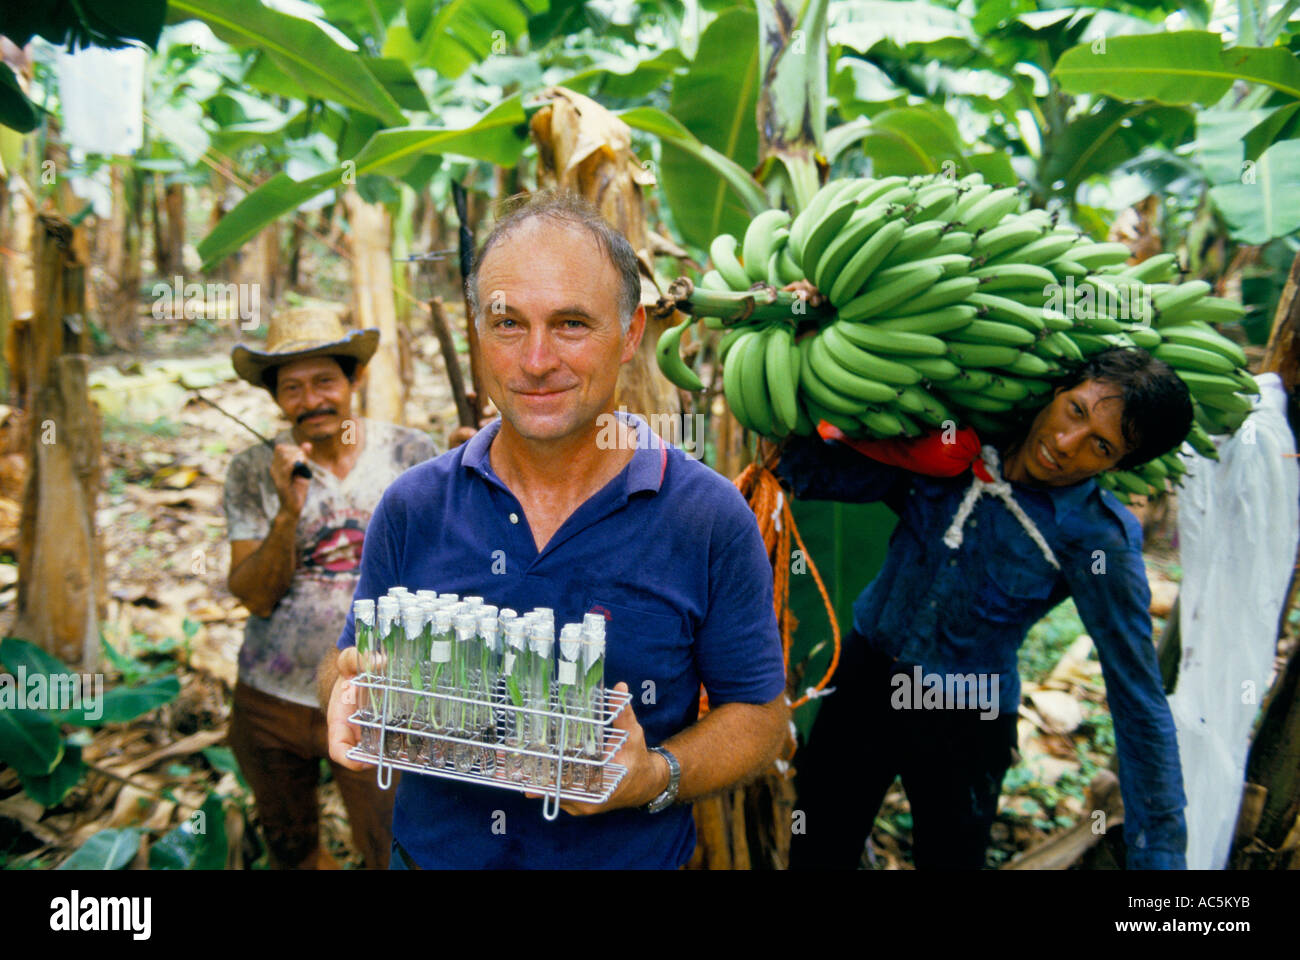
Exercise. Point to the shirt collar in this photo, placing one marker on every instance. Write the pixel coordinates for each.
(1066, 500)
(645, 471)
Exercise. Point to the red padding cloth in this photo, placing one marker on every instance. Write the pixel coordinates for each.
(927, 454)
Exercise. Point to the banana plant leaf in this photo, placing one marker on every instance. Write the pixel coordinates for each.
(670, 131)
(1262, 205)
(1188, 66)
(199, 843)
(465, 32)
(1103, 140)
(716, 101)
(497, 137)
(106, 850)
(30, 741)
(301, 49)
(847, 542)
(49, 790)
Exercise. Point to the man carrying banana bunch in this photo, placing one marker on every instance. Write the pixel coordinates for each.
(978, 557)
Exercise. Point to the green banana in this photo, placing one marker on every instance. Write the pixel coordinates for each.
(864, 262)
(877, 299)
(712, 280)
(953, 265)
(810, 215)
(1028, 365)
(722, 251)
(942, 294)
(981, 355)
(1209, 310)
(1169, 303)
(815, 390)
(943, 320)
(917, 240)
(753, 381)
(782, 369)
(1148, 338)
(977, 401)
(1227, 402)
(822, 233)
(1206, 338)
(1207, 384)
(1008, 310)
(968, 381)
(870, 336)
(732, 376)
(1158, 269)
(1183, 357)
(1013, 276)
(936, 369)
(993, 332)
(863, 224)
(885, 423)
(1093, 256)
(667, 352)
(1007, 235)
(1006, 388)
(990, 209)
(833, 348)
(760, 240)
(1038, 251)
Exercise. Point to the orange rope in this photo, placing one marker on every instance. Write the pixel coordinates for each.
(776, 524)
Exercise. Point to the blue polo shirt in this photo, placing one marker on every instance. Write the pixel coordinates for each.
(668, 551)
(968, 610)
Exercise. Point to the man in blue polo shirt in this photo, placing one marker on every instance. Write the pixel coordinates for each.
(541, 509)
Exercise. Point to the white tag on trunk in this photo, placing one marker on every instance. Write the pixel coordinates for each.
(509, 666)
(568, 671)
(441, 651)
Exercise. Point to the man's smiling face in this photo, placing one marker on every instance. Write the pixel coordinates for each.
(550, 337)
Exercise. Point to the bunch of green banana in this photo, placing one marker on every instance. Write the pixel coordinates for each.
(945, 302)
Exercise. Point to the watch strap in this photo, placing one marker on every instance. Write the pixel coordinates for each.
(669, 796)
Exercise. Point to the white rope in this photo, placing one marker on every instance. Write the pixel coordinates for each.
(776, 511)
(812, 693)
(1002, 490)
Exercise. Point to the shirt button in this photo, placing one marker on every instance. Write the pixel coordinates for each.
(974, 522)
(514, 518)
(952, 562)
(933, 604)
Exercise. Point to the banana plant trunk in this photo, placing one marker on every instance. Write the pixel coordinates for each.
(372, 272)
(61, 593)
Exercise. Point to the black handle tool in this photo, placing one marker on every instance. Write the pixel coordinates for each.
(300, 469)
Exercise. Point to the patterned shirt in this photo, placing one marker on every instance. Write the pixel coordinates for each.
(281, 652)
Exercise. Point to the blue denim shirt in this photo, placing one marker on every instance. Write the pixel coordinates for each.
(968, 609)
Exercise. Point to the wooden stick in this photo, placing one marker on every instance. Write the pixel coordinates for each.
(465, 412)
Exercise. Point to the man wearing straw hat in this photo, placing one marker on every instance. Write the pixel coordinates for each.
(295, 550)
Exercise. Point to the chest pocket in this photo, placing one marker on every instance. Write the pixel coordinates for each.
(1018, 579)
(641, 646)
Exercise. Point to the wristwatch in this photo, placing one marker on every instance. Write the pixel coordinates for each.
(669, 796)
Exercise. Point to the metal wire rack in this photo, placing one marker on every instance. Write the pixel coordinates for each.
(490, 756)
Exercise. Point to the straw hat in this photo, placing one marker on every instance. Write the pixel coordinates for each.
(301, 333)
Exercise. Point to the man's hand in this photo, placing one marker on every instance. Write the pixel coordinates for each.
(292, 490)
(647, 773)
(341, 735)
